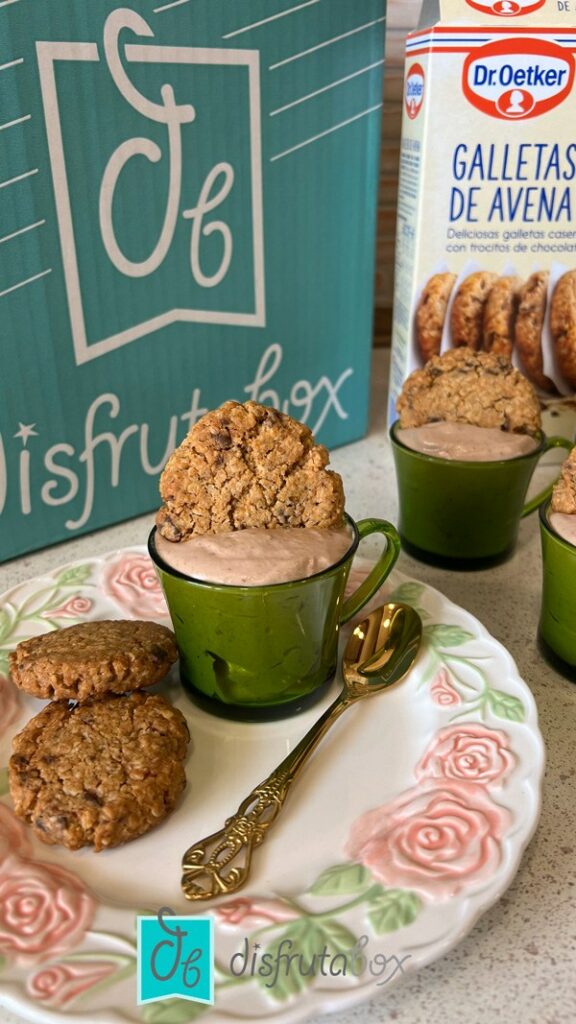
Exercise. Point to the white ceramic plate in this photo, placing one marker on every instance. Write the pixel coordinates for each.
(410, 821)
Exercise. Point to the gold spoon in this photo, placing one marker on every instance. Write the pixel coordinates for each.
(379, 653)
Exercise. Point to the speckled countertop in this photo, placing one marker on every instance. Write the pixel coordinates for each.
(519, 962)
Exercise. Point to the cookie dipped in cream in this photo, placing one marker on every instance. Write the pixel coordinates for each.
(254, 557)
(465, 442)
(463, 386)
(562, 514)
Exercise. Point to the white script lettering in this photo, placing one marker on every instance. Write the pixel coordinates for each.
(174, 116)
(62, 474)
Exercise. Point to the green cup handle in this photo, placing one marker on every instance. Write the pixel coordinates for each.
(381, 570)
(551, 442)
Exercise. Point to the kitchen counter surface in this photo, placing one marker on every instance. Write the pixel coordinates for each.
(519, 962)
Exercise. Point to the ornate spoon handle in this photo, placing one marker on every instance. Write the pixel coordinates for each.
(220, 864)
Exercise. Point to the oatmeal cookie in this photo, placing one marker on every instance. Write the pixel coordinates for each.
(247, 465)
(532, 303)
(564, 493)
(500, 316)
(563, 325)
(93, 659)
(431, 314)
(470, 387)
(467, 315)
(101, 773)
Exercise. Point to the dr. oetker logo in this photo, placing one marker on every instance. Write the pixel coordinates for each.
(517, 79)
(414, 91)
(506, 8)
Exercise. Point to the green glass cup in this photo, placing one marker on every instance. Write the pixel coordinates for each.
(258, 653)
(465, 515)
(557, 628)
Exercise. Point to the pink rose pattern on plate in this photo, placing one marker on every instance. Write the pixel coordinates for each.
(468, 753)
(435, 839)
(133, 585)
(57, 985)
(447, 832)
(74, 608)
(44, 910)
(442, 692)
(254, 912)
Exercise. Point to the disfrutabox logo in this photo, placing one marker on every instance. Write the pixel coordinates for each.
(184, 220)
(518, 79)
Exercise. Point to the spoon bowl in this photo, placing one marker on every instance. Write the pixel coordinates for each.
(381, 649)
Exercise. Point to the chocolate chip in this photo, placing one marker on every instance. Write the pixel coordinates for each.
(158, 652)
(169, 529)
(222, 439)
(92, 797)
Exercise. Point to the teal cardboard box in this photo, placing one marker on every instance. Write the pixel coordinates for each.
(187, 215)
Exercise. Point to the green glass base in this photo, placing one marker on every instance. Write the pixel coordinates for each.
(461, 564)
(562, 667)
(261, 713)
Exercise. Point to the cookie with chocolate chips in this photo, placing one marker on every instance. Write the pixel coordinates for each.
(470, 387)
(247, 465)
(93, 659)
(467, 315)
(563, 325)
(564, 493)
(431, 314)
(532, 303)
(500, 316)
(99, 774)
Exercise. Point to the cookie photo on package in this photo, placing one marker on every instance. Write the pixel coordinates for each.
(491, 263)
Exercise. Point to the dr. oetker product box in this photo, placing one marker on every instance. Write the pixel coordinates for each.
(187, 215)
(486, 245)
